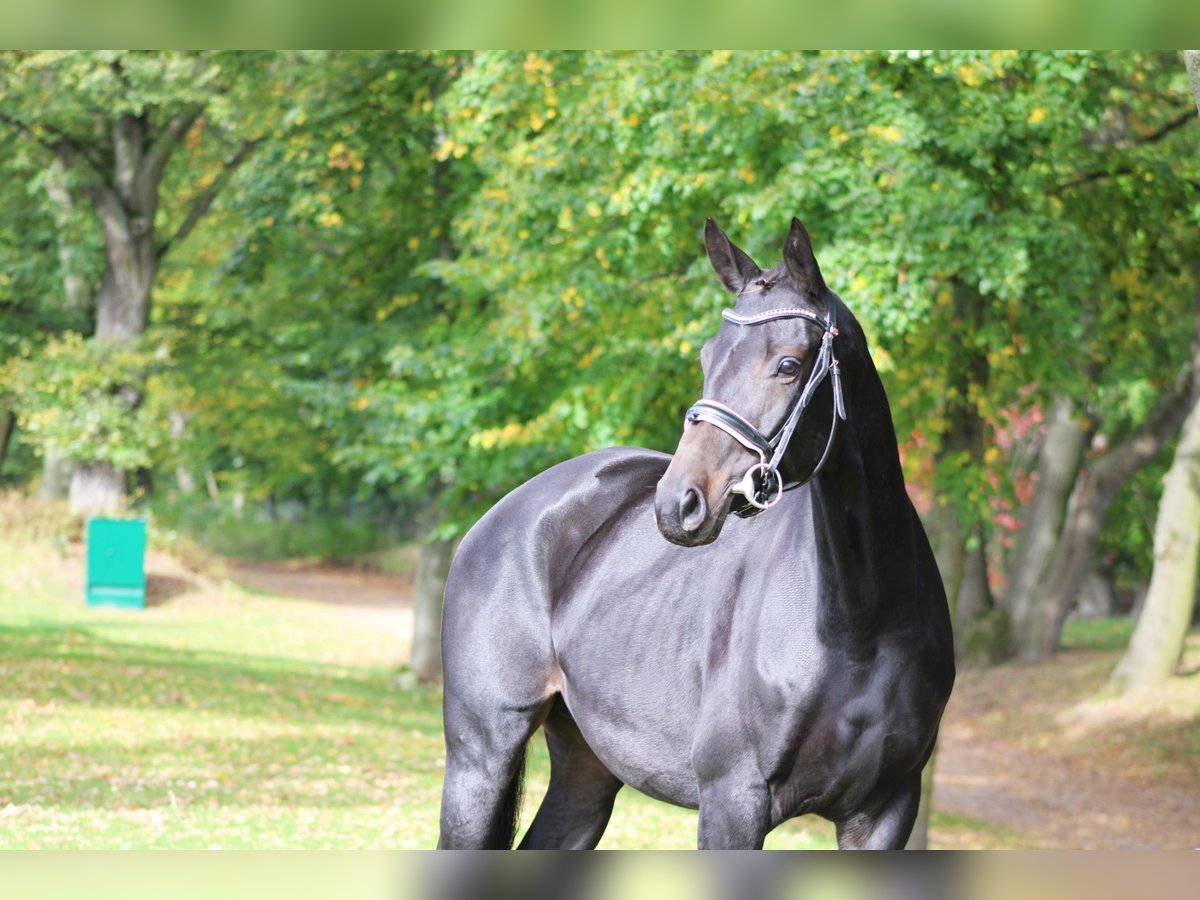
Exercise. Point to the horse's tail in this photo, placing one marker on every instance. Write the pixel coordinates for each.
(510, 807)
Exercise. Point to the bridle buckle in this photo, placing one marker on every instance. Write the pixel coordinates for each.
(761, 486)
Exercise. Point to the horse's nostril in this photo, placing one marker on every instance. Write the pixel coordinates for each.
(691, 510)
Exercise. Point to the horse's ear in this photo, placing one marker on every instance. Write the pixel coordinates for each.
(732, 264)
(801, 263)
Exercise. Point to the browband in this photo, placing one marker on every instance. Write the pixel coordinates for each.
(786, 312)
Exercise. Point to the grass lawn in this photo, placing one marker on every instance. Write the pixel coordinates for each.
(232, 718)
(225, 718)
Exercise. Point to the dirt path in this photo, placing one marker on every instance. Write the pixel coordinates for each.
(1022, 750)
(379, 600)
(1027, 748)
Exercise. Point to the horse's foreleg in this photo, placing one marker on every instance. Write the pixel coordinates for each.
(887, 828)
(734, 814)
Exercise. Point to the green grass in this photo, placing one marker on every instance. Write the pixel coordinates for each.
(976, 833)
(227, 719)
(1098, 634)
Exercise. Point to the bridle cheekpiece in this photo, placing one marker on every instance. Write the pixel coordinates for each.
(762, 486)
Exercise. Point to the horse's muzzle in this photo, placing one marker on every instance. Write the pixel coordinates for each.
(684, 514)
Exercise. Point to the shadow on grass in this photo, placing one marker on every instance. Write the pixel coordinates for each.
(68, 664)
(294, 770)
(161, 589)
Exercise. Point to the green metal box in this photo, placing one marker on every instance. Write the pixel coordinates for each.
(116, 563)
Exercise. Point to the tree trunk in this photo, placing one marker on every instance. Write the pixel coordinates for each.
(974, 599)
(1086, 511)
(97, 489)
(960, 578)
(8, 422)
(1191, 60)
(954, 560)
(429, 588)
(1097, 596)
(1098, 484)
(75, 287)
(982, 629)
(950, 539)
(126, 210)
(1059, 460)
(1158, 638)
(433, 564)
(184, 479)
(58, 470)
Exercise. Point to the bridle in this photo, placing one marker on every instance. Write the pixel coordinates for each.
(761, 485)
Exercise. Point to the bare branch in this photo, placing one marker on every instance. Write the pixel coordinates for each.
(160, 151)
(204, 199)
(1153, 137)
(66, 148)
(1159, 133)
(118, 69)
(1119, 464)
(323, 246)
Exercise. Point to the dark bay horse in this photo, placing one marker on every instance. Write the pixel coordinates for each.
(798, 664)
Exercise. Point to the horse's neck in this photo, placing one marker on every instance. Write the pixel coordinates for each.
(862, 518)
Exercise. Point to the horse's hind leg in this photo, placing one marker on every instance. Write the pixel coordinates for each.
(580, 798)
(889, 827)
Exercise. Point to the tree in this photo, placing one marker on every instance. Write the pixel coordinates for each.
(32, 310)
(1162, 627)
(113, 122)
(338, 307)
(960, 209)
(1158, 639)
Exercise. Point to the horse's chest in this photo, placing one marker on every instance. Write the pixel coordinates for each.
(829, 745)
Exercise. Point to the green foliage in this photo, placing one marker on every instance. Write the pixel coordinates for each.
(1127, 538)
(953, 198)
(78, 397)
(440, 273)
(254, 534)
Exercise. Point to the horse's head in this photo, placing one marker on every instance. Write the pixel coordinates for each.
(768, 419)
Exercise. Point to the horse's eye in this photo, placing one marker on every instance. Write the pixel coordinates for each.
(788, 367)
